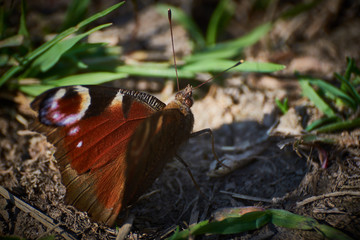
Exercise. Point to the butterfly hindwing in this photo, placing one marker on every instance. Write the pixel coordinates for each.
(154, 142)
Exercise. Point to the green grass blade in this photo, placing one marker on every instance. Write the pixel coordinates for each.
(234, 220)
(347, 75)
(154, 70)
(99, 15)
(9, 73)
(218, 65)
(87, 79)
(310, 93)
(96, 57)
(34, 90)
(231, 48)
(349, 68)
(32, 55)
(321, 122)
(190, 70)
(348, 87)
(232, 225)
(282, 218)
(85, 47)
(263, 67)
(250, 38)
(185, 234)
(75, 13)
(332, 233)
(213, 65)
(52, 56)
(23, 29)
(340, 126)
(213, 53)
(180, 17)
(222, 13)
(334, 91)
(179, 235)
(283, 106)
(312, 138)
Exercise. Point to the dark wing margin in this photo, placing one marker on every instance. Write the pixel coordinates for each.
(150, 100)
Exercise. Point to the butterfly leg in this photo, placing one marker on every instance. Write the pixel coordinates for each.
(209, 131)
(190, 173)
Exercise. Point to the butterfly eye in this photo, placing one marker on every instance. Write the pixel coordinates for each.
(189, 102)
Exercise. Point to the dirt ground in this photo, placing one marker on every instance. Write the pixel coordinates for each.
(241, 112)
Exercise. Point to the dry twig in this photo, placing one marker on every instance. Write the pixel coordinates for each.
(250, 198)
(327, 195)
(44, 219)
(125, 228)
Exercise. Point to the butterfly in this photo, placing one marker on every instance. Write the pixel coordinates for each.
(111, 144)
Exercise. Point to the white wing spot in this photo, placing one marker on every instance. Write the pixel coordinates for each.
(54, 105)
(56, 115)
(79, 145)
(74, 130)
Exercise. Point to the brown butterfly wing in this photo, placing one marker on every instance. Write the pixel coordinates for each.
(91, 128)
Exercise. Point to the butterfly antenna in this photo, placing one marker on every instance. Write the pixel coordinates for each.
(137, 19)
(173, 48)
(217, 75)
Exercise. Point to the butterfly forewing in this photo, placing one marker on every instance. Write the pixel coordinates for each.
(91, 128)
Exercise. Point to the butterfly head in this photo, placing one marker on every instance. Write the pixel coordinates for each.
(184, 97)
